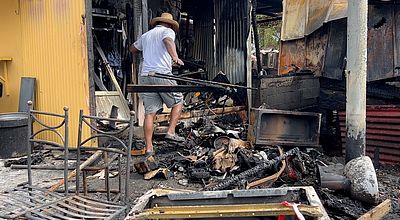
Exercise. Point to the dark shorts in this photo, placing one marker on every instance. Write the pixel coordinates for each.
(153, 102)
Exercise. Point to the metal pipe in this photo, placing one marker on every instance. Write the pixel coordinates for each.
(356, 75)
(107, 175)
(78, 153)
(128, 157)
(38, 167)
(199, 81)
(114, 191)
(66, 153)
(256, 38)
(29, 143)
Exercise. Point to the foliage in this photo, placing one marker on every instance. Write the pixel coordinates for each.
(270, 35)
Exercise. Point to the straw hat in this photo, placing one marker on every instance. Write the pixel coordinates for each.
(166, 18)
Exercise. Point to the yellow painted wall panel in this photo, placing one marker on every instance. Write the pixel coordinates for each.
(10, 46)
(46, 39)
(53, 39)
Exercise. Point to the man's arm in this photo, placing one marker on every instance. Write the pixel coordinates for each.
(170, 45)
(133, 50)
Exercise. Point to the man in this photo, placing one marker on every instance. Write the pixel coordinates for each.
(159, 52)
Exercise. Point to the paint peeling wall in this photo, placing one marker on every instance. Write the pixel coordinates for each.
(304, 54)
(323, 52)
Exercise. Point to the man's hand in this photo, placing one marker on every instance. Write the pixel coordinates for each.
(179, 62)
(170, 45)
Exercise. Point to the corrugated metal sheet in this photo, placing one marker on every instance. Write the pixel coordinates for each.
(383, 132)
(10, 39)
(204, 35)
(232, 25)
(54, 51)
(221, 31)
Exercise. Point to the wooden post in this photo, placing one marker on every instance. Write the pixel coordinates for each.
(88, 162)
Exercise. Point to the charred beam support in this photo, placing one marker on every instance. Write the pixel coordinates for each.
(178, 88)
(253, 171)
(256, 38)
(356, 75)
(218, 85)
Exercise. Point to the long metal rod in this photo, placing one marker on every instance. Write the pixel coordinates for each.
(356, 74)
(66, 153)
(78, 153)
(256, 37)
(38, 167)
(163, 88)
(29, 143)
(199, 81)
(107, 175)
(128, 157)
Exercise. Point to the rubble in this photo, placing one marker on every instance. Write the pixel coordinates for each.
(165, 173)
(213, 159)
(145, 165)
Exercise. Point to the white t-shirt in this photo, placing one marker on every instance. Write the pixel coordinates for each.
(155, 55)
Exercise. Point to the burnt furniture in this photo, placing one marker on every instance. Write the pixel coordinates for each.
(34, 202)
(288, 128)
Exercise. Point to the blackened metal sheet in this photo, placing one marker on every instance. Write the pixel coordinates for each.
(221, 29)
(380, 42)
(336, 49)
(304, 54)
(315, 52)
(203, 48)
(232, 25)
(292, 56)
(271, 127)
(383, 47)
(397, 39)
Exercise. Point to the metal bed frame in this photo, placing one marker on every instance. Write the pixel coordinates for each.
(15, 203)
(30, 202)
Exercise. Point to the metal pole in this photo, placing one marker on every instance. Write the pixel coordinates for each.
(256, 37)
(356, 78)
(29, 143)
(66, 152)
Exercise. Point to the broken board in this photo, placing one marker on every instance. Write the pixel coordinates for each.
(105, 100)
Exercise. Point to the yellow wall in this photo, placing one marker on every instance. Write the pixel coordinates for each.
(10, 46)
(48, 41)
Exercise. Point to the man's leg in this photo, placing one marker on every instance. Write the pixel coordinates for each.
(174, 117)
(152, 103)
(173, 100)
(148, 131)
